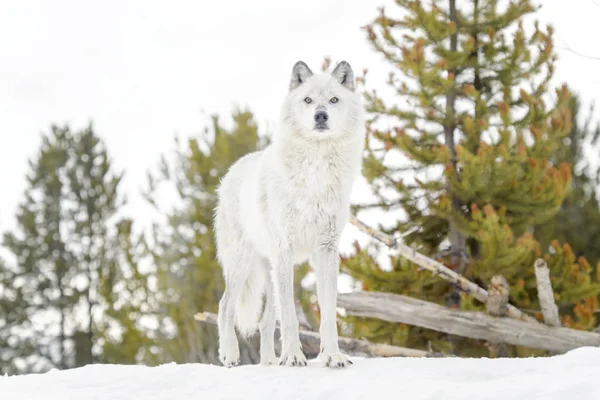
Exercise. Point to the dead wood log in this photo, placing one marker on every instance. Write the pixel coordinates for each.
(475, 325)
(357, 347)
(437, 268)
(498, 292)
(497, 304)
(545, 293)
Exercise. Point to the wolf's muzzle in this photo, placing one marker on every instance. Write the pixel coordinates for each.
(321, 118)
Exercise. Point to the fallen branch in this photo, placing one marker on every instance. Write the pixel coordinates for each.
(545, 293)
(437, 268)
(311, 342)
(475, 325)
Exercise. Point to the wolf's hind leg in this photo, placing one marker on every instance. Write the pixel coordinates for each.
(229, 351)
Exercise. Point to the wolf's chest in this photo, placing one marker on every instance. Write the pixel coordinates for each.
(314, 192)
(316, 189)
(315, 200)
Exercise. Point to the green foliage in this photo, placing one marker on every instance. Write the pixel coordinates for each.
(44, 264)
(13, 347)
(183, 250)
(66, 259)
(128, 300)
(468, 153)
(578, 220)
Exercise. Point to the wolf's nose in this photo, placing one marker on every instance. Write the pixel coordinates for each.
(321, 117)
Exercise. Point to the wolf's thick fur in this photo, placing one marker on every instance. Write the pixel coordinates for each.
(287, 204)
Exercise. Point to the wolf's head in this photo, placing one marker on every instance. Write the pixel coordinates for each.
(323, 106)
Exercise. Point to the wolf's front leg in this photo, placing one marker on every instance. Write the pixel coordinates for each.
(291, 349)
(325, 262)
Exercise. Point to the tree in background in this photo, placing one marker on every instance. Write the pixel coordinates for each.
(183, 248)
(65, 257)
(578, 219)
(117, 294)
(465, 157)
(127, 292)
(93, 201)
(44, 265)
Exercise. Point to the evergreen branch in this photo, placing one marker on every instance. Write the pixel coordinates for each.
(437, 268)
(411, 168)
(380, 204)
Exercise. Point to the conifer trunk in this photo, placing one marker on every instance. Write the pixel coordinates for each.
(88, 260)
(457, 239)
(62, 335)
(90, 333)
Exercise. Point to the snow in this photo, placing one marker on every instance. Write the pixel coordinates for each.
(570, 376)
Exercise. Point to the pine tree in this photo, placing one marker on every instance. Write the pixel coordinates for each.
(466, 160)
(98, 240)
(183, 250)
(43, 267)
(66, 253)
(93, 201)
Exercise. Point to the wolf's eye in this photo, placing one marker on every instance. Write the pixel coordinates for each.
(334, 100)
(307, 100)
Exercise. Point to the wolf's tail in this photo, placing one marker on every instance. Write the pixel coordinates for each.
(248, 306)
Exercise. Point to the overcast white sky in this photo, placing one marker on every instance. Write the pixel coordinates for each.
(144, 71)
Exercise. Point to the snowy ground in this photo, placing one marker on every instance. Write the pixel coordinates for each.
(575, 375)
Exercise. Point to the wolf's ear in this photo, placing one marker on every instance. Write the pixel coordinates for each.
(300, 73)
(344, 75)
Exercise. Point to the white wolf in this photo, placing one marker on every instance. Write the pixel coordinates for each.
(284, 205)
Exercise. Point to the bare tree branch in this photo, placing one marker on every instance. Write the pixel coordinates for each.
(569, 49)
(546, 294)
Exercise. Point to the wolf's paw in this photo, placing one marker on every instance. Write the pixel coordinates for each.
(229, 355)
(336, 360)
(293, 359)
(270, 360)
